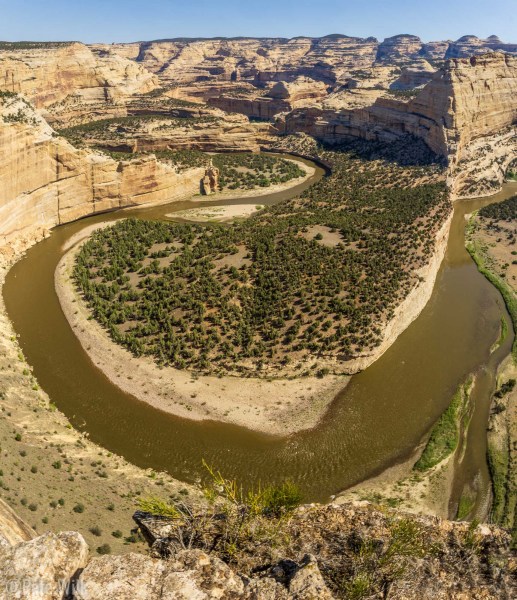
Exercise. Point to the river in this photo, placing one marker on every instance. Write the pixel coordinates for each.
(378, 420)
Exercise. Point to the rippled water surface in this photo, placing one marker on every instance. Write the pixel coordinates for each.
(376, 421)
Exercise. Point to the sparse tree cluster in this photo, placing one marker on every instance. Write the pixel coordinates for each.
(267, 295)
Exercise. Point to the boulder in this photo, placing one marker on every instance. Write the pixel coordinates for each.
(190, 575)
(43, 568)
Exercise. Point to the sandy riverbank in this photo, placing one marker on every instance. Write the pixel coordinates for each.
(219, 214)
(266, 191)
(52, 475)
(278, 406)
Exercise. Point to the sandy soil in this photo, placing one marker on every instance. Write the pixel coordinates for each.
(278, 407)
(412, 491)
(49, 472)
(216, 213)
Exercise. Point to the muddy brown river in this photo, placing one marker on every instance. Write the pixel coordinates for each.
(377, 421)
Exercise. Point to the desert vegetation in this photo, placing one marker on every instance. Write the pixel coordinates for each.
(491, 240)
(119, 127)
(445, 435)
(248, 171)
(310, 280)
(361, 552)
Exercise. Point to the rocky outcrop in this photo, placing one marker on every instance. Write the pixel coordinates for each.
(66, 79)
(13, 530)
(217, 133)
(184, 61)
(470, 45)
(416, 76)
(299, 91)
(324, 552)
(189, 575)
(256, 108)
(210, 182)
(283, 96)
(43, 568)
(466, 102)
(45, 181)
(399, 49)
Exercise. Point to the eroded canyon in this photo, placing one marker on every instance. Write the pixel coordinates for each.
(90, 129)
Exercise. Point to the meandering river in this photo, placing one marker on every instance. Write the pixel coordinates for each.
(378, 420)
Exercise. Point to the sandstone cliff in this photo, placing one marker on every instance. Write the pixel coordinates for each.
(65, 79)
(328, 59)
(283, 96)
(268, 59)
(45, 181)
(466, 102)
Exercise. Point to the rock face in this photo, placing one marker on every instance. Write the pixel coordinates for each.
(470, 45)
(268, 59)
(283, 96)
(219, 133)
(13, 530)
(328, 551)
(44, 181)
(210, 182)
(69, 78)
(467, 101)
(399, 49)
(189, 575)
(415, 76)
(43, 568)
(329, 59)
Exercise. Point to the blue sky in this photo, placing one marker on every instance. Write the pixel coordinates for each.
(133, 20)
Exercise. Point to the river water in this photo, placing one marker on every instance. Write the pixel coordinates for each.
(378, 420)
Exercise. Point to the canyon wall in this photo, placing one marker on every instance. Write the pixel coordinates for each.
(70, 78)
(282, 97)
(45, 181)
(329, 59)
(469, 104)
(187, 61)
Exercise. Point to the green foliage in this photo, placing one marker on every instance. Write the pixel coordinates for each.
(158, 507)
(119, 129)
(446, 433)
(505, 388)
(281, 499)
(33, 45)
(466, 505)
(500, 211)
(376, 565)
(403, 94)
(233, 521)
(273, 501)
(249, 171)
(506, 211)
(219, 299)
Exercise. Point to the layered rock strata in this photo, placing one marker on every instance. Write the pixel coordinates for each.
(466, 106)
(65, 79)
(45, 181)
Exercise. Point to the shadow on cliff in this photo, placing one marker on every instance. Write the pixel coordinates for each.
(404, 151)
